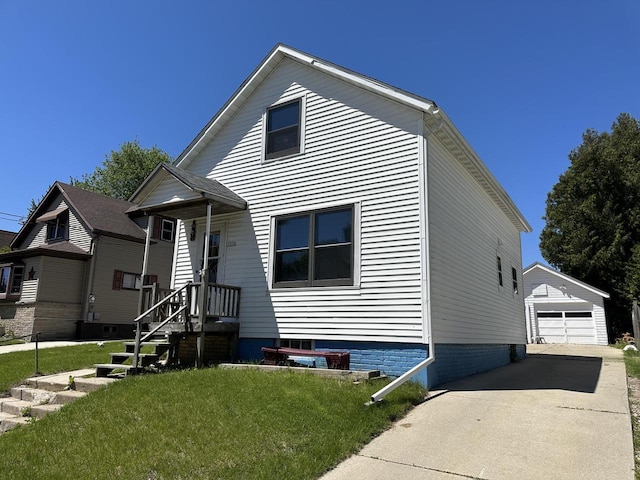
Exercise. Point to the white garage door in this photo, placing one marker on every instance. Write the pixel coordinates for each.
(567, 326)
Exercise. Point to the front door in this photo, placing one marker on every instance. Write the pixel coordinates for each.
(215, 263)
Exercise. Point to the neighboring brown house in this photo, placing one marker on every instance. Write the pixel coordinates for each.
(74, 269)
(6, 238)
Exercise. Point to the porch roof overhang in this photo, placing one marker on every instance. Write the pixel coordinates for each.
(188, 197)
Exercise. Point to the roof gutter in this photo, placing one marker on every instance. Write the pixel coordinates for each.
(426, 276)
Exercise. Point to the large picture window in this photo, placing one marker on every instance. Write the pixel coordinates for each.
(314, 249)
(283, 130)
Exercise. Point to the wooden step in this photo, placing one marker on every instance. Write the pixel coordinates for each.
(144, 359)
(107, 369)
(159, 347)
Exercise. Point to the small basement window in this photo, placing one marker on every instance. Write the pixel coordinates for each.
(294, 343)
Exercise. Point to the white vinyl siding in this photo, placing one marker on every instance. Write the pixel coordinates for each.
(467, 233)
(359, 149)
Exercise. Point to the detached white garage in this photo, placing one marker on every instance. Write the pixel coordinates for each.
(562, 309)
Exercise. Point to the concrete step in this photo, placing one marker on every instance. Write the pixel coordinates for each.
(91, 384)
(7, 421)
(39, 397)
(46, 394)
(39, 411)
(33, 395)
(59, 381)
(13, 406)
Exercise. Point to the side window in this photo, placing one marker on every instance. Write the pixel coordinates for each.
(11, 279)
(125, 280)
(163, 229)
(283, 129)
(499, 265)
(5, 274)
(314, 249)
(514, 275)
(16, 279)
(168, 230)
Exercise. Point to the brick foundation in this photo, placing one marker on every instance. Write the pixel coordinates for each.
(54, 321)
(453, 361)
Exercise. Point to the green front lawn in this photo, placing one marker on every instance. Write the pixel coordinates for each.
(205, 424)
(16, 366)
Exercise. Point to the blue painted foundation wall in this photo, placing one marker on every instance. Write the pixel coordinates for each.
(452, 361)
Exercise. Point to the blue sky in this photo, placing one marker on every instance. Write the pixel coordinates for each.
(521, 80)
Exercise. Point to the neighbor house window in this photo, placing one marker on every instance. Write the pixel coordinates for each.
(314, 249)
(168, 230)
(514, 275)
(164, 229)
(57, 227)
(126, 281)
(499, 262)
(11, 280)
(283, 129)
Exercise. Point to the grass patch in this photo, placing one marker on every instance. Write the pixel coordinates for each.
(204, 424)
(16, 366)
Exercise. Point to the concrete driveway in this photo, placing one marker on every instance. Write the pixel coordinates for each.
(562, 413)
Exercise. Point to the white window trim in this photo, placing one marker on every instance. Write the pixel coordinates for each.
(357, 253)
(162, 230)
(303, 115)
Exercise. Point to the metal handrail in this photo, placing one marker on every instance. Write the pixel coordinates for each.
(37, 334)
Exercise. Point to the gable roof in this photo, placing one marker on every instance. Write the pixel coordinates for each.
(198, 190)
(99, 213)
(436, 121)
(564, 276)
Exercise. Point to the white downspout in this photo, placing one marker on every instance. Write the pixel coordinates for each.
(426, 276)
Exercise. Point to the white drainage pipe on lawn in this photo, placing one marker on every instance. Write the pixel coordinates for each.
(380, 394)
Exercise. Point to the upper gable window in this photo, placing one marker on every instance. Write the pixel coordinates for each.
(284, 129)
(57, 227)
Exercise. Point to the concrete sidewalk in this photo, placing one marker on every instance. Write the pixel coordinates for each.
(19, 347)
(562, 413)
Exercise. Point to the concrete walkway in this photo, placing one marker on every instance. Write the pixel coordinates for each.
(562, 413)
(19, 347)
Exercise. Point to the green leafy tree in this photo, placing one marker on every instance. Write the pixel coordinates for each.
(592, 216)
(123, 171)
